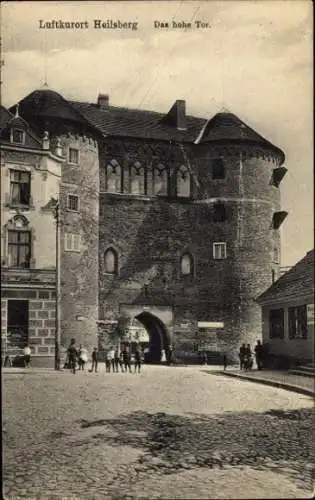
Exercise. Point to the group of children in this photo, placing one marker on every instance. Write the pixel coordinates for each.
(115, 360)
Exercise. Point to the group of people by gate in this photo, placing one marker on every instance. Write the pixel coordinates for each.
(246, 356)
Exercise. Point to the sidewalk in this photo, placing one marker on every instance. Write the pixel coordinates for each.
(276, 378)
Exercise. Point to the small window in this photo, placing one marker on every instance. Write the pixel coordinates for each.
(183, 182)
(110, 261)
(219, 251)
(276, 323)
(73, 202)
(73, 156)
(17, 136)
(72, 242)
(298, 322)
(276, 256)
(219, 212)
(20, 187)
(218, 169)
(187, 265)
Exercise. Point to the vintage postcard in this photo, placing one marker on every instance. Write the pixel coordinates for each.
(157, 298)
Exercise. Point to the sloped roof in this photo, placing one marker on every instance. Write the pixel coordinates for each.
(135, 123)
(5, 117)
(8, 120)
(296, 282)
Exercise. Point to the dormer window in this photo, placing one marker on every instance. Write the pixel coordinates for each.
(17, 136)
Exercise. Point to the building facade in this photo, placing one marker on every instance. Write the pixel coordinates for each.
(30, 177)
(170, 219)
(288, 315)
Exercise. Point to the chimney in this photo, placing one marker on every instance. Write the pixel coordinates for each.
(103, 101)
(177, 115)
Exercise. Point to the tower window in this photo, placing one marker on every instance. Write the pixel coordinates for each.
(73, 202)
(187, 264)
(74, 156)
(183, 182)
(72, 242)
(218, 169)
(219, 212)
(17, 136)
(110, 261)
(20, 187)
(219, 251)
(19, 249)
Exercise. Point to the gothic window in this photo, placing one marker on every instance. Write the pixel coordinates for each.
(218, 169)
(183, 182)
(113, 177)
(137, 181)
(219, 212)
(187, 264)
(110, 261)
(159, 180)
(20, 187)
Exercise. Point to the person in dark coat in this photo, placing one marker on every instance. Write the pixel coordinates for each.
(127, 359)
(72, 356)
(94, 360)
(116, 360)
(241, 355)
(259, 355)
(138, 360)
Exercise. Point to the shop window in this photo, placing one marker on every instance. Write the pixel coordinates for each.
(110, 261)
(113, 177)
(298, 322)
(20, 187)
(183, 182)
(17, 323)
(276, 323)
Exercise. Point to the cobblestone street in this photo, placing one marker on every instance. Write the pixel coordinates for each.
(166, 433)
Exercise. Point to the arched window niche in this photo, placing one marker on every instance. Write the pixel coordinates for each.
(187, 264)
(137, 179)
(113, 177)
(183, 182)
(110, 261)
(160, 180)
(19, 243)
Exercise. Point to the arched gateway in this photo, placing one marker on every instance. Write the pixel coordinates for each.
(158, 323)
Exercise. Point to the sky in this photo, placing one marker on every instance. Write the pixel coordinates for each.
(254, 59)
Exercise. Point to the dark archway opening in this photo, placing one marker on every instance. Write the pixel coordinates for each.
(159, 336)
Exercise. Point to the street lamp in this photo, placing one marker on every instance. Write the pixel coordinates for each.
(56, 212)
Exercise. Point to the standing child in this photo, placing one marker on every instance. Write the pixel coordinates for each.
(27, 356)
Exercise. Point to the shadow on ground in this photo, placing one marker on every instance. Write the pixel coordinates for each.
(278, 440)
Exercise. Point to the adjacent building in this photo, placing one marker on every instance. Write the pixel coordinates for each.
(168, 219)
(30, 177)
(288, 315)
